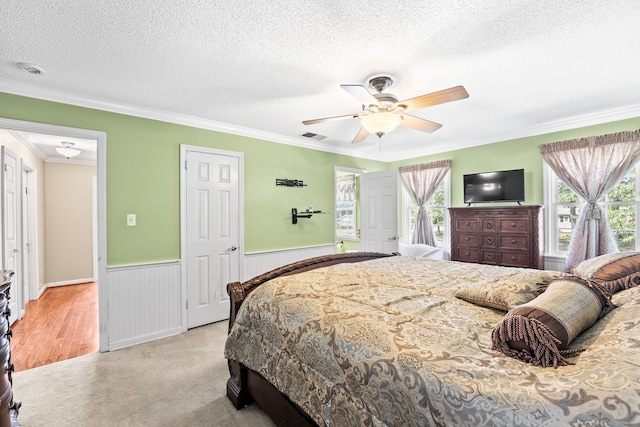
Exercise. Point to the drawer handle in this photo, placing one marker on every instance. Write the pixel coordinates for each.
(467, 238)
(513, 224)
(513, 241)
(467, 253)
(513, 258)
(467, 223)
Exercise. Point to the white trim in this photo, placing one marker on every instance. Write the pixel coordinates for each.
(65, 97)
(32, 202)
(38, 92)
(284, 250)
(101, 166)
(184, 149)
(70, 282)
(121, 267)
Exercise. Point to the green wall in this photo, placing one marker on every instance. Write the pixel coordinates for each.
(520, 153)
(143, 177)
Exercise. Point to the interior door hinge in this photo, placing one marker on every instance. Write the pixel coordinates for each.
(186, 303)
(185, 165)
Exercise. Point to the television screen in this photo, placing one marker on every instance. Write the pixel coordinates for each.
(498, 186)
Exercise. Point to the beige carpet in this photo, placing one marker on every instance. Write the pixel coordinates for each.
(176, 381)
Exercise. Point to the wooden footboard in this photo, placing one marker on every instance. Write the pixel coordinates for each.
(245, 385)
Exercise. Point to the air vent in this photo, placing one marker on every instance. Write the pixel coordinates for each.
(312, 135)
(30, 68)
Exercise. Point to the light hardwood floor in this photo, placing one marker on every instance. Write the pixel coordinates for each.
(60, 325)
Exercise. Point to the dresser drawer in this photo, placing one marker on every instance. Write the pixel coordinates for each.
(467, 255)
(489, 240)
(489, 257)
(468, 239)
(514, 241)
(515, 259)
(489, 224)
(467, 224)
(515, 225)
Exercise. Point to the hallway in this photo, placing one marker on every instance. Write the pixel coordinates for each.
(60, 325)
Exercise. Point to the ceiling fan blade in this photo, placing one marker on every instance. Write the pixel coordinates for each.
(361, 93)
(361, 136)
(326, 119)
(446, 95)
(420, 124)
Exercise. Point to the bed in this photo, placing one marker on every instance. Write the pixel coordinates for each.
(378, 340)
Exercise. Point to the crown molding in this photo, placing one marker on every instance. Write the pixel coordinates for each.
(64, 97)
(38, 92)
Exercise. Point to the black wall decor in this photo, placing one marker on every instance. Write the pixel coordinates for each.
(283, 182)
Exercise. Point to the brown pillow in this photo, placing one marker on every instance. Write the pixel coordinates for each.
(538, 332)
(615, 272)
(506, 292)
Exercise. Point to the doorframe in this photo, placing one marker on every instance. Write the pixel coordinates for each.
(101, 167)
(30, 184)
(18, 285)
(184, 149)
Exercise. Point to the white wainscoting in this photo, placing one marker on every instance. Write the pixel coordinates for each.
(555, 263)
(144, 303)
(258, 263)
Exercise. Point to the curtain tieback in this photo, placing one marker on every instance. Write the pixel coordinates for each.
(421, 212)
(593, 210)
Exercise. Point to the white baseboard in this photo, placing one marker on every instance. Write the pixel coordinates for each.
(69, 282)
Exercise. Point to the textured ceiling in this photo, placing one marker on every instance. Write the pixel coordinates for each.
(261, 67)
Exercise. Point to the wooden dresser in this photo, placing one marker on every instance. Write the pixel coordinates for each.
(507, 235)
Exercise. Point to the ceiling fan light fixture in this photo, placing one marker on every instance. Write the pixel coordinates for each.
(67, 150)
(383, 122)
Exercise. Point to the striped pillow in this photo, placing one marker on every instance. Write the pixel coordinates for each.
(615, 272)
(539, 331)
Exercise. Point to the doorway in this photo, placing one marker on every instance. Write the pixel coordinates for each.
(100, 221)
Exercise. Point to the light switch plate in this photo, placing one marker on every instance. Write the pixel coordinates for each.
(131, 220)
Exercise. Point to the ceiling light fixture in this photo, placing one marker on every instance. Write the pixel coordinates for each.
(381, 123)
(67, 150)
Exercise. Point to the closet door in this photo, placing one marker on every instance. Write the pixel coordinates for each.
(379, 199)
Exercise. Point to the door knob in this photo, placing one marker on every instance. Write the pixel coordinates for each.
(231, 249)
(393, 238)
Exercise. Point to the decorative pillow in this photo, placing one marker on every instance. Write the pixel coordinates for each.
(615, 272)
(506, 292)
(538, 332)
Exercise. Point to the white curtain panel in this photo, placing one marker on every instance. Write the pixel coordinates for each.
(421, 181)
(591, 167)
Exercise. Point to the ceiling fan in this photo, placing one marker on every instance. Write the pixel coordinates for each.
(382, 112)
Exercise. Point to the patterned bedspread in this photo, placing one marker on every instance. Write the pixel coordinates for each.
(386, 343)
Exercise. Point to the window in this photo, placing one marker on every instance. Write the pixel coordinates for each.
(621, 206)
(346, 202)
(437, 209)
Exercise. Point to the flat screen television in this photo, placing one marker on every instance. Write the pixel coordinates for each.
(497, 186)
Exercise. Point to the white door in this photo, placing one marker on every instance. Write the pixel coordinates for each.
(379, 198)
(212, 255)
(11, 227)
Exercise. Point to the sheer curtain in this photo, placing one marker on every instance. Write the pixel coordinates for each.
(591, 167)
(346, 188)
(421, 181)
